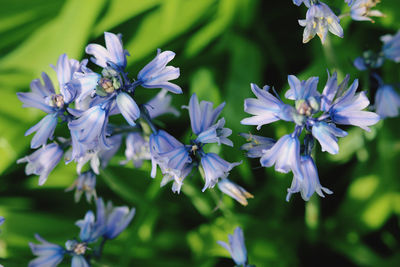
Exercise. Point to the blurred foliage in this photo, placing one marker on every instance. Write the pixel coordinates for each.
(221, 47)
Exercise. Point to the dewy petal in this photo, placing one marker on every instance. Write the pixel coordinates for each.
(128, 107)
(387, 102)
(326, 135)
(44, 130)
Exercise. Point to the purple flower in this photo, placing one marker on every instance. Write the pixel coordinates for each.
(85, 183)
(266, 108)
(319, 20)
(214, 168)
(362, 10)
(161, 104)
(302, 89)
(216, 134)
(234, 191)
(236, 247)
(202, 115)
(257, 145)
(299, 2)
(309, 183)
(391, 46)
(387, 101)
(90, 127)
(42, 161)
(347, 109)
(137, 149)
(176, 176)
(285, 154)
(128, 107)
(113, 54)
(48, 254)
(326, 134)
(90, 229)
(157, 74)
(113, 219)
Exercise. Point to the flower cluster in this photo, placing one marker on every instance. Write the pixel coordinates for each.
(315, 113)
(177, 160)
(84, 101)
(108, 223)
(387, 99)
(320, 18)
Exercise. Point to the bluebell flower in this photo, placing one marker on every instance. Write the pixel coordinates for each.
(369, 60)
(309, 183)
(302, 90)
(85, 82)
(256, 145)
(349, 2)
(91, 230)
(85, 183)
(234, 191)
(161, 142)
(202, 115)
(391, 46)
(157, 74)
(307, 3)
(387, 101)
(113, 53)
(137, 149)
(236, 247)
(326, 134)
(91, 126)
(362, 10)
(214, 168)
(42, 161)
(1, 220)
(128, 107)
(319, 20)
(177, 176)
(48, 254)
(285, 154)
(161, 104)
(266, 108)
(347, 109)
(113, 219)
(77, 250)
(216, 134)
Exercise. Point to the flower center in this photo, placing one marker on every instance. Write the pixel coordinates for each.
(80, 248)
(107, 85)
(58, 100)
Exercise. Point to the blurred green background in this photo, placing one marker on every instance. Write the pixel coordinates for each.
(221, 46)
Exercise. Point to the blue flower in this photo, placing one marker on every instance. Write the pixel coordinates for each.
(349, 2)
(176, 176)
(160, 143)
(362, 10)
(319, 20)
(391, 46)
(234, 191)
(347, 109)
(137, 149)
(77, 250)
(113, 219)
(113, 54)
(214, 168)
(161, 104)
(387, 101)
(157, 74)
(202, 115)
(91, 230)
(216, 134)
(44, 130)
(266, 108)
(309, 183)
(236, 247)
(85, 183)
(326, 134)
(302, 90)
(307, 3)
(90, 127)
(285, 154)
(49, 254)
(42, 161)
(257, 145)
(128, 107)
